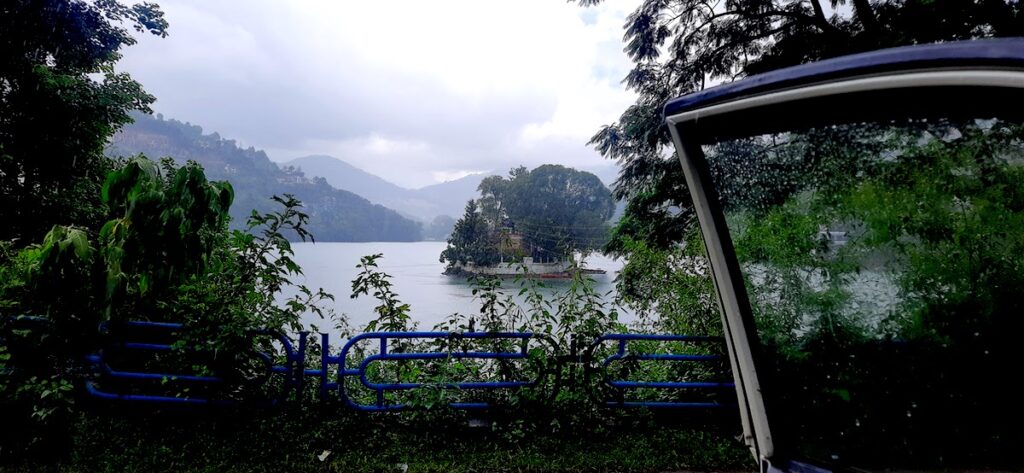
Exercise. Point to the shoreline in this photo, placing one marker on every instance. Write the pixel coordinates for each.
(555, 275)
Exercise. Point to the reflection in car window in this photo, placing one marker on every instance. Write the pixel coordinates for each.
(885, 263)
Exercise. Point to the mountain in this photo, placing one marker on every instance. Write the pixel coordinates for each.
(424, 204)
(346, 176)
(451, 196)
(334, 214)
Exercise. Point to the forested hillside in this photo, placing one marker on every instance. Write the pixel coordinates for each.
(335, 215)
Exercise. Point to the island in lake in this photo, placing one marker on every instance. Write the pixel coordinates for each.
(531, 223)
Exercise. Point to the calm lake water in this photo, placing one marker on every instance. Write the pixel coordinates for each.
(416, 275)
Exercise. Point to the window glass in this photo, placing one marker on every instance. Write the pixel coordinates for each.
(885, 268)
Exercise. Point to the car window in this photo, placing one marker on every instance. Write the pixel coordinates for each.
(884, 264)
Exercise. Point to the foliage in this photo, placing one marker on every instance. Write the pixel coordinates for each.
(162, 231)
(582, 312)
(669, 290)
(292, 440)
(60, 101)
(165, 255)
(153, 243)
(392, 314)
(243, 292)
(565, 325)
(556, 210)
(166, 230)
(874, 342)
(471, 241)
(682, 46)
(522, 417)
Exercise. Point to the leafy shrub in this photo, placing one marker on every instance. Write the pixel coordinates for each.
(165, 254)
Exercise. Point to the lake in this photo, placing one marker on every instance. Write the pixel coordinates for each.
(416, 275)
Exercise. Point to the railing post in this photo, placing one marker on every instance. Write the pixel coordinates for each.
(324, 363)
(299, 370)
(573, 357)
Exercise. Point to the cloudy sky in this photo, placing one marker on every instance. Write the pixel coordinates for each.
(415, 91)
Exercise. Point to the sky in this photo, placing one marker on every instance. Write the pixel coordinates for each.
(417, 92)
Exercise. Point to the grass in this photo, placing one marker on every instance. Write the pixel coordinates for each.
(292, 441)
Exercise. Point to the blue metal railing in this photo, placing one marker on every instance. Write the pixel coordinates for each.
(380, 389)
(100, 362)
(349, 373)
(623, 354)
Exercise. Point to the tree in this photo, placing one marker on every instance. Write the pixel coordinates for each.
(166, 254)
(557, 210)
(471, 241)
(60, 101)
(680, 46)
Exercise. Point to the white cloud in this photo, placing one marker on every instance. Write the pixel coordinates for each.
(413, 91)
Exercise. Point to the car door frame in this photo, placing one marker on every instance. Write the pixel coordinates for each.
(964, 78)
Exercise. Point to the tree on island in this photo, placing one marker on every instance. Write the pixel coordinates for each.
(550, 212)
(471, 241)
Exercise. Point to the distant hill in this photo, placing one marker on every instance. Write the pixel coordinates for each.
(447, 198)
(346, 176)
(335, 214)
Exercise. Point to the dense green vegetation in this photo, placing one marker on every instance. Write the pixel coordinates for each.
(872, 346)
(164, 254)
(293, 440)
(556, 210)
(681, 46)
(883, 264)
(875, 343)
(136, 239)
(678, 46)
(334, 214)
(526, 430)
(528, 424)
(60, 100)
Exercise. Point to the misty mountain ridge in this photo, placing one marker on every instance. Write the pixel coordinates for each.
(335, 214)
(423, 204)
